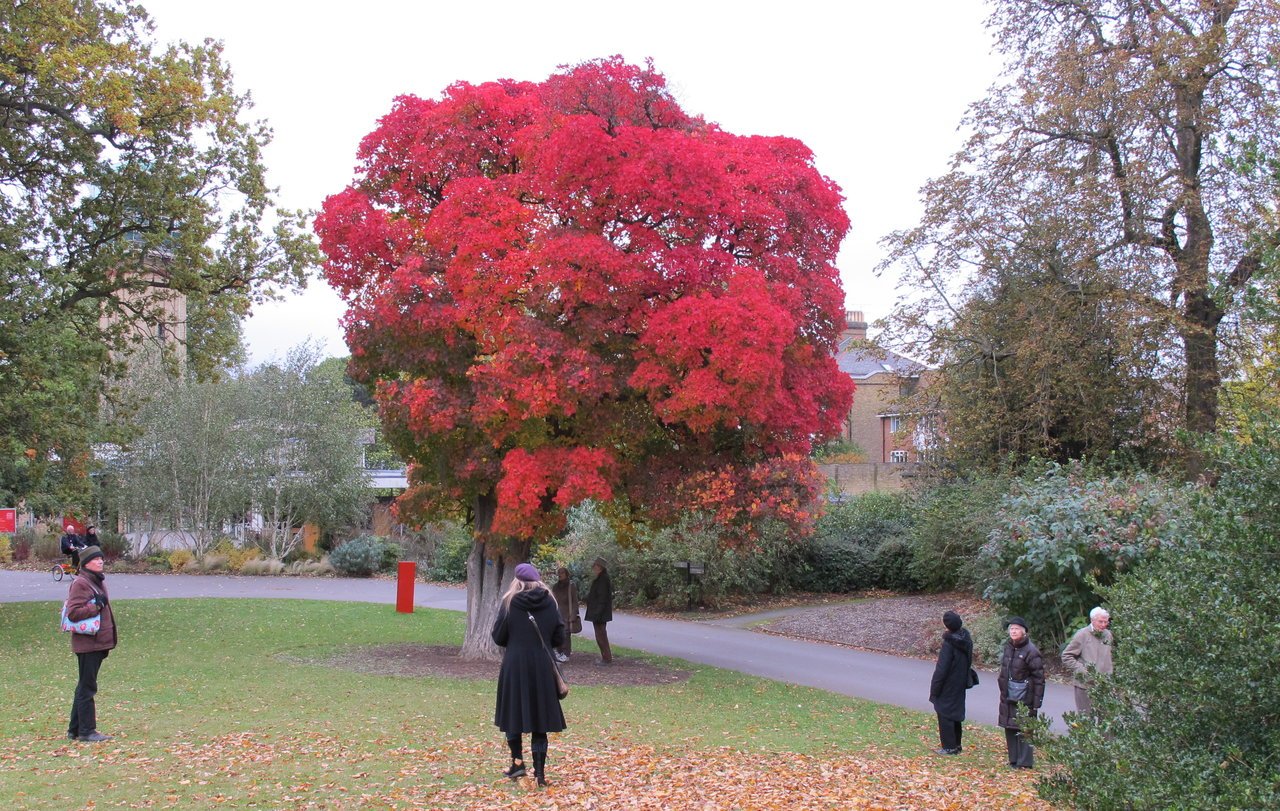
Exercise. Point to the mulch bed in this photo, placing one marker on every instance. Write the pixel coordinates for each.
(904, 626)
(444, 661)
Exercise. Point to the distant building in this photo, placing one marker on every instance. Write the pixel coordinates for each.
(877, 423)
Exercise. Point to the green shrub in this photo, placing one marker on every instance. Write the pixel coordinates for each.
(891, 565)
(858, 545)
(1061, 535)
(113, 545)
(1191, 718)
(6, 549)
(647, 570)
(449, 559)
(950, 523)
(365, 556)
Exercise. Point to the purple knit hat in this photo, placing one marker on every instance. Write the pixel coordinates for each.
(527, 572)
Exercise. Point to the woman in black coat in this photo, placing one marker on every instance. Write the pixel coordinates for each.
(528, 626)
(950, 681)
(1022, 664)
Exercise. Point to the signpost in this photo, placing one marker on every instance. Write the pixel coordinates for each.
(8, 520)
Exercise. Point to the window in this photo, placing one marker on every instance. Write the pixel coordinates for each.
(898, 457)
(895, 424)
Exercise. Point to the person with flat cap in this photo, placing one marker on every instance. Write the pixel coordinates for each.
(600, 608)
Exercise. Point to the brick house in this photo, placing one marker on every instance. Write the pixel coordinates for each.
(876, 422)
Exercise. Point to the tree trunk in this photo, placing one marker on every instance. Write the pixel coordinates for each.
(490, 567)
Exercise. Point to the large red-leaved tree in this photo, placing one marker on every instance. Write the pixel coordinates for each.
(575, 290)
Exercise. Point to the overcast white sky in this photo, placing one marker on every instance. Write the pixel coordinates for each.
(876, 90)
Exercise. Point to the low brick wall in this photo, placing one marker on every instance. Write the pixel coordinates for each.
(865, 477)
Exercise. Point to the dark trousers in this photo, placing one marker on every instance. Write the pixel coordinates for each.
(602, 639)
(567, 647)
(950, 733)
(1020, 751)
(84, 715)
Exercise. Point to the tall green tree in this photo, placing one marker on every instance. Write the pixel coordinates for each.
(129, 174)
(274, 448)
(301, 446)
(1135, 125)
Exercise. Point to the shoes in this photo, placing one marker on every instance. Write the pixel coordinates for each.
(604, 662)
(948, 751)
(94, 737)
(71, 736)
(560, 657)
(517, 769)
(540, 768)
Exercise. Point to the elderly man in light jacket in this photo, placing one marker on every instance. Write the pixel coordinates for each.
(1089, 653)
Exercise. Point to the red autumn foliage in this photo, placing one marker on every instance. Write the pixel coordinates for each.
(575, 290)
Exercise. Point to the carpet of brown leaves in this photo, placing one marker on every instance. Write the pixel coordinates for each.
(466, 774)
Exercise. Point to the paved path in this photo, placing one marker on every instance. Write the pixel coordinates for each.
(879, 677)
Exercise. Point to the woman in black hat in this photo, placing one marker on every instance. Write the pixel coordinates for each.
(87, 598)
(1021, 682)
(950, 681)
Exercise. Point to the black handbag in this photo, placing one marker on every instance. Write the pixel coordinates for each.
(972, 680)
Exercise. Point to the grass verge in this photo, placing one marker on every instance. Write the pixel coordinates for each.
(212, 708)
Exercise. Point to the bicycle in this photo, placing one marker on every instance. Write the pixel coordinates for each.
(64, 569)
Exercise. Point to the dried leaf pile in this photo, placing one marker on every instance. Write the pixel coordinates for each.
(323, 771)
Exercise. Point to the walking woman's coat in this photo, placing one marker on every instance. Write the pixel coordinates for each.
(951, 675)
(1020, 663)
(527, 680)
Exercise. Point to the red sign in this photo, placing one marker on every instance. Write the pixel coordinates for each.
(75, 525)
(8, 520)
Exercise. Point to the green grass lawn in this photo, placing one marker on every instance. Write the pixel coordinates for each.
(214, 705)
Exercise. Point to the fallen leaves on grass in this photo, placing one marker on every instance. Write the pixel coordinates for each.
(644, 779)
(323, 771)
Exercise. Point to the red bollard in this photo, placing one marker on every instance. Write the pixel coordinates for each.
(405, 576)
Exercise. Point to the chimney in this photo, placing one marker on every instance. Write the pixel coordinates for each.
(855, 327)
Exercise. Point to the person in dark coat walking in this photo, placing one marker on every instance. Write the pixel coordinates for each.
(950, 681)
(600, 608)
(528, 626)
(1021, 672)
(86, 598)
(566, 593)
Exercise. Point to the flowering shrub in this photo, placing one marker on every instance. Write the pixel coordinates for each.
(1062, 535)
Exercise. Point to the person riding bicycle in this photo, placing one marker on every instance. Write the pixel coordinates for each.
(71, 545)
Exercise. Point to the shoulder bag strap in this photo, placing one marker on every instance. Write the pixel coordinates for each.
(538, 631)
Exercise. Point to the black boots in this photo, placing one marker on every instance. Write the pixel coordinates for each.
(517, 769)
(540, 767)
